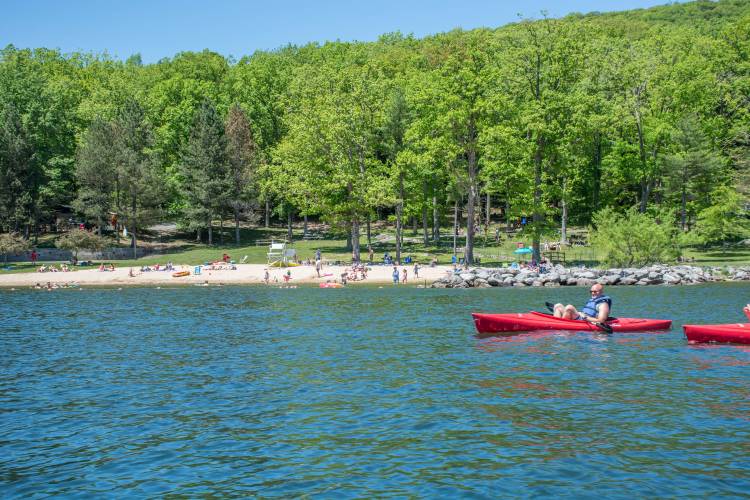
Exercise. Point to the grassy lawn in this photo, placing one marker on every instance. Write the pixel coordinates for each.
(181, 249)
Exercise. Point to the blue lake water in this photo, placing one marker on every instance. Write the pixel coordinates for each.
(365, 392)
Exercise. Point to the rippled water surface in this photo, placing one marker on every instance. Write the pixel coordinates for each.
(364, 392)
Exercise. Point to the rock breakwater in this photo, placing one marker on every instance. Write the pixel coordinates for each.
(581, 276)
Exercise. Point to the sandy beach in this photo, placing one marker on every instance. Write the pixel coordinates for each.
(245, 274)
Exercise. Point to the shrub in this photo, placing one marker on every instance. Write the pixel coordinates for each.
(633, 238)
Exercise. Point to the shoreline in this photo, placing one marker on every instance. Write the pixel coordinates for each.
(245, 274)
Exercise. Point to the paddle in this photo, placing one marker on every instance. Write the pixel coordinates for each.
(602, 326)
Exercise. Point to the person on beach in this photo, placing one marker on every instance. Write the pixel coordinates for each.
(416, 270)
(266, 277)
(317, 254)
(596, 310)
(395, 275)
(370, 254)
(318, 265)
(403, 280)
(34, 256)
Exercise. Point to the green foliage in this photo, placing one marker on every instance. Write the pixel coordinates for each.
(724, 220)
(633, 238)
(555, 118)
(12, 243)
(204, 169)
(79, 239)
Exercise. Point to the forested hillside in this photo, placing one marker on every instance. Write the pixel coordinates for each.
(550, 120)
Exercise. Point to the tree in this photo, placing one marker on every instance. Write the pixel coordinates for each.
(204, 169)
(19, 176)
(12, 243)
(79, 239)
(96, 171)
(725, 220)
(138, 184)
(242, 159)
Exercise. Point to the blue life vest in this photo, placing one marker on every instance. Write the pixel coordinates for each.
(592, 306)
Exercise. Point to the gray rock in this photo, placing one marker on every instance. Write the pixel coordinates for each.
(671, 279)
(627, 280)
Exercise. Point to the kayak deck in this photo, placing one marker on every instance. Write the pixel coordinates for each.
(525, 322)
(731, 333)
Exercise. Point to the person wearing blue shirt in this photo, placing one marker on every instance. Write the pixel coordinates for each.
(596, 310)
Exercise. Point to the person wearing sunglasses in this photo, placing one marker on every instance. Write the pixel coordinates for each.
(596, 310)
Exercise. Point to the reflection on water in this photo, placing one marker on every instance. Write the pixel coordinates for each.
(366, 392)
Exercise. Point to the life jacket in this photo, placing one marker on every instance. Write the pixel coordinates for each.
(591, 307)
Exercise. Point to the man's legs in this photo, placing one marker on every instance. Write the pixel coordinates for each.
(567, 312)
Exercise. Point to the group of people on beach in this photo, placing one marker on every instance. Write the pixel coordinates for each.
(52, 269)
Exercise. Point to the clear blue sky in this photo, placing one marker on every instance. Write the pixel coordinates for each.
(162, 28)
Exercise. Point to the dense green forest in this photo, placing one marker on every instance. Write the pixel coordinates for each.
(549, 120)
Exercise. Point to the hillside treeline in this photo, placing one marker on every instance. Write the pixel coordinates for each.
(547, 120)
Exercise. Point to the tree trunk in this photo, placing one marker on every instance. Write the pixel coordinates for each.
(455, 225)
(304, 227)
(564, 222)
(268, 214)
(470, 203)
(221, 229)
(414, 226)
(198, 235)
(538, 217)
(210, 230)
(237, 226)
(683, 207)
(369, 232)
(135, 244)
(289, 225)
(355, 240)
(435, 221)
(399, 215)
(348, 237)
(507, 214)
(487, 211)
(425, 229)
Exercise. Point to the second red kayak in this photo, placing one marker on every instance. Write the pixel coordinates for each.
(733, 333)
(526, 322)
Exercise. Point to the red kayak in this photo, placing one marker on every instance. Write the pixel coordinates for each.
(525, 322)
(733, 333)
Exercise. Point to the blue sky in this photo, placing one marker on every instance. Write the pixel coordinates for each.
(162, 28)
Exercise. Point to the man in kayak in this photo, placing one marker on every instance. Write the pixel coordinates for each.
(596, 309)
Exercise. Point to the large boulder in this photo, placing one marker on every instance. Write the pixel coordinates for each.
(671, 279)
(628, 280)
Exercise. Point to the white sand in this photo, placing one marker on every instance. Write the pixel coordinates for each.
(244, 274)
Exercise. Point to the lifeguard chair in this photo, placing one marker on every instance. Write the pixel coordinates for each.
(281, 256)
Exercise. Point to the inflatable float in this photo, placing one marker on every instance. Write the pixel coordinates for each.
(331, 285)
(180, 274)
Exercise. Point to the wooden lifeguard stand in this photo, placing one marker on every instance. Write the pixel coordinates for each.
(281, 256)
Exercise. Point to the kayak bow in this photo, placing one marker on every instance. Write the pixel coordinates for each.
(732, 333)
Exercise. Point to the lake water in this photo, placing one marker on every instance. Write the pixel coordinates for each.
(365, 392)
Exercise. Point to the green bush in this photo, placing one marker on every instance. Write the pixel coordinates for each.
(724, 220)
(633, 238)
